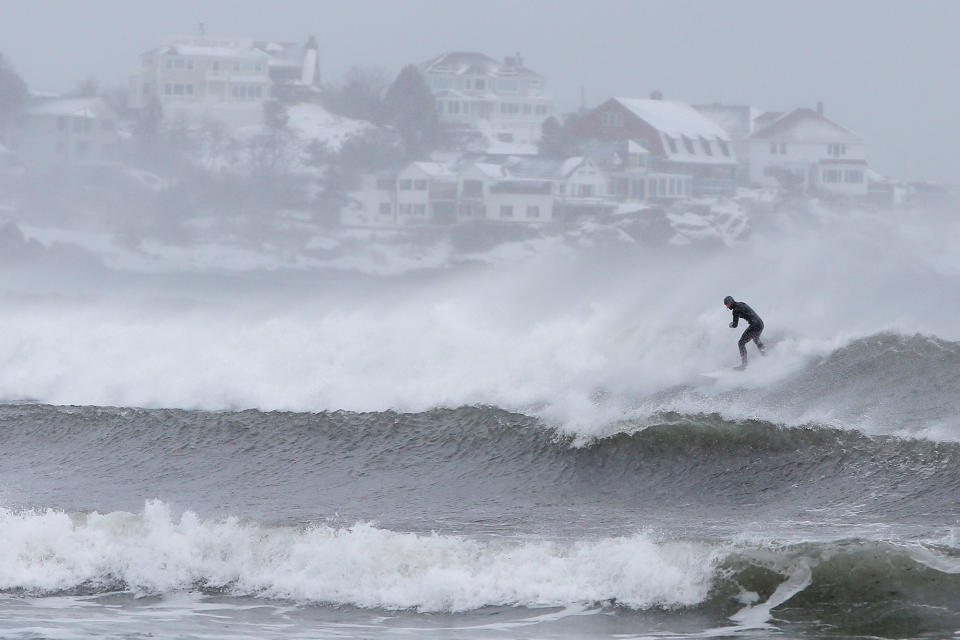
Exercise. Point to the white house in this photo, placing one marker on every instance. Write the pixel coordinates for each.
(65, 132)
(205, 78)
(804, 150)
(504, 101)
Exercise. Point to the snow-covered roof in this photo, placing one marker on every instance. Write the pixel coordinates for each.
(675, 119)
(698, 150)
(471, 63)
(805, 125)
(433, 169)
(491, 170)
(214, 51)
(73, 107)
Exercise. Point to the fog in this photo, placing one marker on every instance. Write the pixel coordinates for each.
(210, 267)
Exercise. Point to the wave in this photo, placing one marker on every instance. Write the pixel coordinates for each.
(859, 585)
(451, 465)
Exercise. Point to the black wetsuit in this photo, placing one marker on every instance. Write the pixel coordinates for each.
(755, 328)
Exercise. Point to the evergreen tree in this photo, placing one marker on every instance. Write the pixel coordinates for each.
(13, 90)
(410, 107)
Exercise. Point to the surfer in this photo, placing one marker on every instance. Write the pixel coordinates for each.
(754, 328)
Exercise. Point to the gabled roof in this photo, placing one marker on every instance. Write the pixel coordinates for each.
(674, 119)
(805, 125)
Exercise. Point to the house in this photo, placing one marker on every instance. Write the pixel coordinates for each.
(419, 193)
(504, 101)
(678, 138)
(294, 68)
(64, 132)
(226, 79)
(223, 79)
(803, 150)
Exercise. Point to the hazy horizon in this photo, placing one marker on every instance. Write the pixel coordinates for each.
(878, 67)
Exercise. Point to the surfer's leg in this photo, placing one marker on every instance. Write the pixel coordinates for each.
(756, 339)
(742, 344)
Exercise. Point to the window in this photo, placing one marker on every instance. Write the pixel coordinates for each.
(533, 211)
(146, 88)
(406, 185)
(215, 67)
(386, 184)
(506, 211)
(419, 185)
(773, 147)
(83, 149)
(405, 209)
(419, 209)
(706, 146)
(836, 150)
(386, 208)
(473, 188)
(688, 143)
(507, 84)
(453, 107)
(853, 176)
(610, 119)
(479, 84)
(831, 175)
(724, 149)
(541, 109)
(236, 67)
(672, 143)
(526, 109)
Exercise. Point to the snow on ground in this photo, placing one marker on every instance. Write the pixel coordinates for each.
(311, 122)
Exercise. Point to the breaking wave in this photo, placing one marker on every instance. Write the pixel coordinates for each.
(856, 584)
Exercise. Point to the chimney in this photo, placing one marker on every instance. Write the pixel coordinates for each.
(202, 30)
(519, 60)
(819, 108)
(656, 95)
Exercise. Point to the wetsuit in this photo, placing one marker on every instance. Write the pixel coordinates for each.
(755, 328)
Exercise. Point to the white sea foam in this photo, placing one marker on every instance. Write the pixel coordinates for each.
(549, 332)
(157, 552)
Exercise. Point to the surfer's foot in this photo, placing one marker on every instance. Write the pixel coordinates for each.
(740, 368)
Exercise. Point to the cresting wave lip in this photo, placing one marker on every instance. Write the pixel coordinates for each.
(156, 552)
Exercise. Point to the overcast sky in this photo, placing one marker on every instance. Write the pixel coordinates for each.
(887, 70)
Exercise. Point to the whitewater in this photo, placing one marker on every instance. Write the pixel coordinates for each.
(515, 444)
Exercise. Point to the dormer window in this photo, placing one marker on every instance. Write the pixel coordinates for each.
(479, 84)
(724, 149)
(706, 146)
(672, 143)
(688, 143)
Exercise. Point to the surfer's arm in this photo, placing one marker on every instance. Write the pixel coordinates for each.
(736, 319)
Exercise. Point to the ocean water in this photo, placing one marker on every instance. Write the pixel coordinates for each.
(526, 447)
